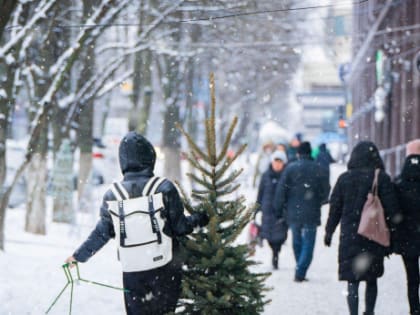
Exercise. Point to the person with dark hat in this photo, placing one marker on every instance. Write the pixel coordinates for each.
(406, 239)
(303, 188)
(359, 258)
(144, 214)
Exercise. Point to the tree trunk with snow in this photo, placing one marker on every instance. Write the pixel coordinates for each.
(36, 176)
(85, 159)
(36, 188)
(62, 184)
(85, 135)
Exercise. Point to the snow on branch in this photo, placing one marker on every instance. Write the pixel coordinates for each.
(66, 60)
(112, 84)
(40, 13)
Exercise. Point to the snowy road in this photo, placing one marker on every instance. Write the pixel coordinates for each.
(31, 276)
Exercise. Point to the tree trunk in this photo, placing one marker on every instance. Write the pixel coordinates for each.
(142, 79)
(85, 136)
(171, 146)
(7, 8)
(172, 168)
(58, 138)
(62, 184)
(144, 113)
(36, 187)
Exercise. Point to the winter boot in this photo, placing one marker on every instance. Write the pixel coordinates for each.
(367, 313)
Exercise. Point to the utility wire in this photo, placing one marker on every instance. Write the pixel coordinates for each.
(220, 17)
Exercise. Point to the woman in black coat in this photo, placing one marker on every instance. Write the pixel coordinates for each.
(272, 229)
(406, 239)
(359, 258)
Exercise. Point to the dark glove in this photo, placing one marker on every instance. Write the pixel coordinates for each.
(200, 218)
(327, 239)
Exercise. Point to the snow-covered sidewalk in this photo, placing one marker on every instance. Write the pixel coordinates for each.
(31, 275)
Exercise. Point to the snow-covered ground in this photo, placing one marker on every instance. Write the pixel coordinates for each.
(31, 274)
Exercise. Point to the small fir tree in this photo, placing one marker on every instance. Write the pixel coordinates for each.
(217, 278)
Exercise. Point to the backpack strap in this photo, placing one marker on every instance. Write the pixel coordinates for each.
(120, 193)
(374, 188)
(148, 190)
(116, 192)
(123, 191)
(149, 184)
(155, 186)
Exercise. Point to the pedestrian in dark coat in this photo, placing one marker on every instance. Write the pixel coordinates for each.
(274, 230)
(154, 291)
(324, 158)
(302, 190)
(406, 239)
(359, 258)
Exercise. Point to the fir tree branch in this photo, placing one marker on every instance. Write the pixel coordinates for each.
(230, 189)
(227, 140)
(228, 163)
(212, 121)
(200, 181)
(210, 141)
(197, 165)
(234, 175)
(192, 143)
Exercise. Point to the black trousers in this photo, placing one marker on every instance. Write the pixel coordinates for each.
(370, 297)
(153, 292)
(275, 247)
(413, 278)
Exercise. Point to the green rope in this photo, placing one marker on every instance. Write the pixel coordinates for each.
(71, 280)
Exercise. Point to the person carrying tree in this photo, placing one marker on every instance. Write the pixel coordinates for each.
(144, 214)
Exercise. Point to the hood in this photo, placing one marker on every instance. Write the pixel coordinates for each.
(365, 155)
(411, 168)
(136, 153)
(322, 147)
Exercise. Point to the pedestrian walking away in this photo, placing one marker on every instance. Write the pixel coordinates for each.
(406, 239)
(360, 259)
(144, 214)
(324, 158)
(273, 229)
(303, 188)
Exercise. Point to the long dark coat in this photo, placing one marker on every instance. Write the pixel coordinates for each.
(302, 190)
(359, 258)
(406, 239)
(271, 229)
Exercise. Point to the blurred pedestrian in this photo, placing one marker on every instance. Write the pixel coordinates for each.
(406, 239)
(292, 149)
(263, 161)
(324, 158)
(302, 190)
(153, 280)
(360, 259)
(272, 229)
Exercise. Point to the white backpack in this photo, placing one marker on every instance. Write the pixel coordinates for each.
(138, 225)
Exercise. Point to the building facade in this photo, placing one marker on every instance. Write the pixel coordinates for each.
(384, 81)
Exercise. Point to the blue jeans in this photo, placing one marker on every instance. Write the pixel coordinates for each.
(304, 236)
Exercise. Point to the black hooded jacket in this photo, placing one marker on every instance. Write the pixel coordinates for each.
(346, 204)
(137, 160)
(406, 239)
